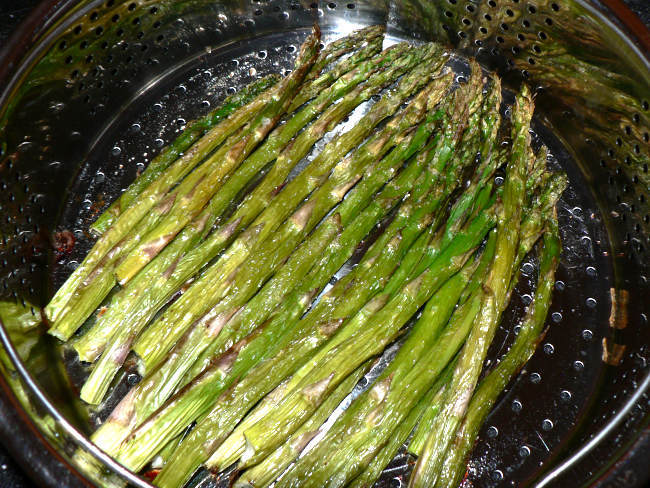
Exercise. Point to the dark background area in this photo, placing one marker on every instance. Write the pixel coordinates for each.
(12, 12)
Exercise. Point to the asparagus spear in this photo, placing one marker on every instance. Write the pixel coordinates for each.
(453, 467)
(376, 413)
(361, 338)
(468, 95)
(187, 405)
(167, 377)
(202, 184)
(111, 242)
(274, 252)
(171, 273)
(267, 471)
(372, 36)
(171, 153)
(89, 347)
(296, 344)
(432, 399)
(177, 317)
(473, 355)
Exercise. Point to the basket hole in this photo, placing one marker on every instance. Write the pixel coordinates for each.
(331, 5)
(548, 21)
(462, 34)
(258, 12)
(492, 3)
(132, 6)
(510, 13)
(555, 7)
(526, 23)
(483, 30)
(504, 26)
(63, 45)
(500, 39)
(466, 21)
(537, 49)
(645, 105)
(542, 35)
(470, 8)
(77, 30)
(532, 9)
(448, 14)
(487, 17)
(521, 37)
(153, 10)
(351, 6)
(115, 18)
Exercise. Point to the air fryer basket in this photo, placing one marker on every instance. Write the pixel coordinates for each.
(91, 90)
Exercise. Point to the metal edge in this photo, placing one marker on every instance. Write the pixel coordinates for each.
(80, 439)
(627, 25)
(38, 23)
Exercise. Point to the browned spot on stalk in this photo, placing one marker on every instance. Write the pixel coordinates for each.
(340, 191)
(380, 390)
(301, 217)
(153, 248)
(226, 360)
(328, 328)
(230, 229)
(306, 298)
(123, 413)
(190, 194)
(202, 221)
(377, 302)
(166, 205)
(215, 325)
(171, 268)
(314, 391)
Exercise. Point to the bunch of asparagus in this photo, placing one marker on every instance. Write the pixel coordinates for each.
(246, 340)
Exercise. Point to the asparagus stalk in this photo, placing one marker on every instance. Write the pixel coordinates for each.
(362, 39)
(375, 414)
(171, 153)
(289, 352)
(471, 360)
(274, 252)
(167, 377)
(429, 403)
(96, 340)
(111, 242)
(293, 347)
(235, 443)
(361, 338)
(469, 94)
(193, 304)
(453, 467)
(207, 179)
(170, 273)
(267, 471)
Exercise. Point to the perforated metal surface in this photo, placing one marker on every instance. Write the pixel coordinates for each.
(120, 80)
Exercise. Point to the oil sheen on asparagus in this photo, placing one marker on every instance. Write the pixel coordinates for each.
(255, 273)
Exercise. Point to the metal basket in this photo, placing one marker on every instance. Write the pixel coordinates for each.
(90, 90)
